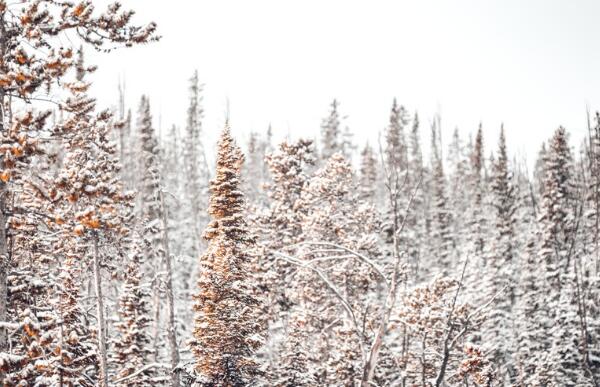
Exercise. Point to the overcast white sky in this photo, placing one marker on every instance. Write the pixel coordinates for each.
(530, 64)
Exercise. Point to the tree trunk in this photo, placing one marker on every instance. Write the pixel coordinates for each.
(390, 301)
(3, 198)
(3, 270)
(4, 264)
(371, 363)
(171, 329)
(103, 379)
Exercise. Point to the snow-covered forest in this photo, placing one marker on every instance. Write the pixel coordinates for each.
(129, 258)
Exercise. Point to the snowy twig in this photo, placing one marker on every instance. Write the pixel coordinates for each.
(344, 302)
(143, 369)
(358, 255)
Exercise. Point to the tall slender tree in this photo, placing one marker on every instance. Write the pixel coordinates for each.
(133, 350)
(227, 330)
(440, 213)
(368, 174)
(557, 217)
(330, 132)
(502, 262)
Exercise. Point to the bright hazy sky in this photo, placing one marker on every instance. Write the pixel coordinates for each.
(530, 64)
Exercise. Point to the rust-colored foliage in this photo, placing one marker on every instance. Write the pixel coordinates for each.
(226, 331)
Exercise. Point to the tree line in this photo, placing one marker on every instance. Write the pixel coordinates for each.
(127, 258)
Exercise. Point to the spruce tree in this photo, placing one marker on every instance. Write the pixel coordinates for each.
(227, 329)
(501, 262)
(556, 216)
(150, 211)
(477, 225)
(441, 218)
(458, 197)
(132, 348)
(36, 58)
(195, 167)
(280, 227)
(330, 132)
(88, 198)
(396, 153)
(418, 214)
(368, 175)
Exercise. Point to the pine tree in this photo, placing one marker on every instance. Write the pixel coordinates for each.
(330, 133)
(368, 175)
(25, 71)
(565, 355)
(132, 349)
(396, 167)
(294, 366)
(556, 214)
(89, 198)
(74, 353)
(440, 213)
(458, 197)
(226, 331)
(150, 211)
(532, 317)
(396, 153)
(477, 225)
(502, 258)
(195, 166)
(188, 215)
(347, 147)
(280, 225)
(539, 171)
(418, 214)
(256, 171)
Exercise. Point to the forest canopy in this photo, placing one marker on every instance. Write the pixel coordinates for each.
(128, 258)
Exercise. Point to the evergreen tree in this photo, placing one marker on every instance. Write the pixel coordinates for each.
(396, 153)
(194, 163)
(330, 133)
(132, 349)
(92, 201)
(396, 169)
(442, 243)
(280, 227)
(294, 365)
(458, 197)
(256, 170)
(502, 258)
(532, 318)
(368, 178)
(556, 217)
(27, 70)
(150, 211)
(418, 214)
(478, 221)
(226, 330)
(347, 147)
